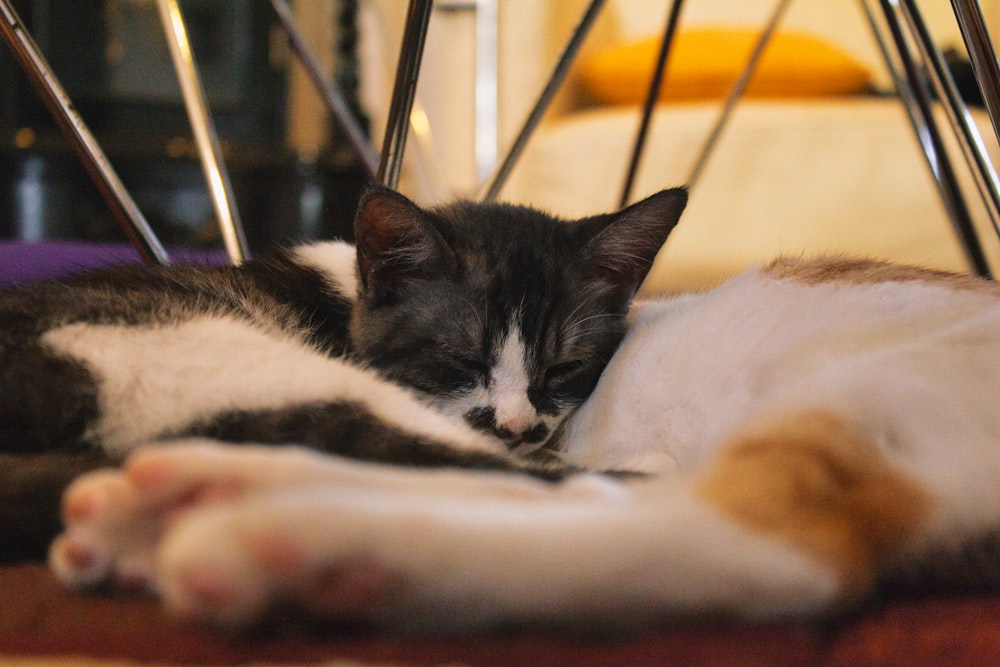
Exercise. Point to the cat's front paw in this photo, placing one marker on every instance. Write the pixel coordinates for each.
(115, 518)
(105, 541)
(231, 564)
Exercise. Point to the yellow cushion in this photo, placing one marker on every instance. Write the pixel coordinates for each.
(704, 63)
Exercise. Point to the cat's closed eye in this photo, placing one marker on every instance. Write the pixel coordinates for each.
(563, 370)
(472, 366)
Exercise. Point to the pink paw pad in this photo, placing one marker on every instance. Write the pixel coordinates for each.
(277, 554)
(349, 591)
(77, 555)
(77, 563)
(205, 590)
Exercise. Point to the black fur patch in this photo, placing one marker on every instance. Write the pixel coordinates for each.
(30, 490)
(46, 402)
(293, 296)
(350, 430)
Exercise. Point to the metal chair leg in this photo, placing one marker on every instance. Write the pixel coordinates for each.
(329, 92)
(933, 146)
(219, 186)
(982, 54)
(404, 91)
(962, 126)
(558, 75)
(76, 132)
(652, 95)
(736, 93)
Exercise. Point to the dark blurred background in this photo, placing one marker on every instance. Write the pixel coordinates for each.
(112, 58)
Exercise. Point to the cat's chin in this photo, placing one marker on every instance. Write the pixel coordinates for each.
(521, 449)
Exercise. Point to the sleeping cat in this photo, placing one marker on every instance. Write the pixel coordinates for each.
(805, 432)
(451, 336)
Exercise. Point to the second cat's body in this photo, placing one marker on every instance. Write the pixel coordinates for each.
(864, 338)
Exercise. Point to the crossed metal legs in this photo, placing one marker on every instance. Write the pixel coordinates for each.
(121, 204)
(904, 22)
(916, 93)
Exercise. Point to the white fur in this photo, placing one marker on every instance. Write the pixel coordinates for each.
(468, 550)
(693, 367)
(915, 364)
(509, 382)
(336, 260)
(230, 365)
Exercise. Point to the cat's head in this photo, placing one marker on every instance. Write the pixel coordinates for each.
(500, 314)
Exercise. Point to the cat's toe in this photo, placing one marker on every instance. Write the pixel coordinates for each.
(220, 566)
(111, 533)
(96, 509)
(95, 497)
(206, 573)
(78, 563)
(206, 469)
(172, 473)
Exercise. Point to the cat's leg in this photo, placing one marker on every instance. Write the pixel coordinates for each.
(114, 519)
(416, 561)
(796, 515)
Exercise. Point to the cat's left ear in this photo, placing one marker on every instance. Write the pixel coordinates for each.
(395, 240)
(629, 240)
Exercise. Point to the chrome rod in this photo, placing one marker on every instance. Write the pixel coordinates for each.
(404, 91)
(219, 186)
(907, 97)
(982, 55)
(123, 207)
(969, 140)
(556, 79)
(652, 95)
(902, 87)
(328, 91)
(934, 148)
(736, 93)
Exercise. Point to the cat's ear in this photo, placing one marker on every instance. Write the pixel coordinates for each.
(627, 242)
(394, 240)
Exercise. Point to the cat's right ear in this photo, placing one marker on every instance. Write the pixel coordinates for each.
(627, 242)
(394, 240)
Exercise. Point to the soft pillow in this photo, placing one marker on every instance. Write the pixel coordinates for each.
(705, 63)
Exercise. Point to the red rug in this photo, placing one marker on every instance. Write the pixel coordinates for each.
(40, 620)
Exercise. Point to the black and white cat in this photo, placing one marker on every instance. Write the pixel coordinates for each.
(459, 336)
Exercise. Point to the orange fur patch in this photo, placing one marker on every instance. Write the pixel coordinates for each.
(861, 271)
(814, 481)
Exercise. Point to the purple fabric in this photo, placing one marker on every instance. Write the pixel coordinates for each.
(25, 262)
